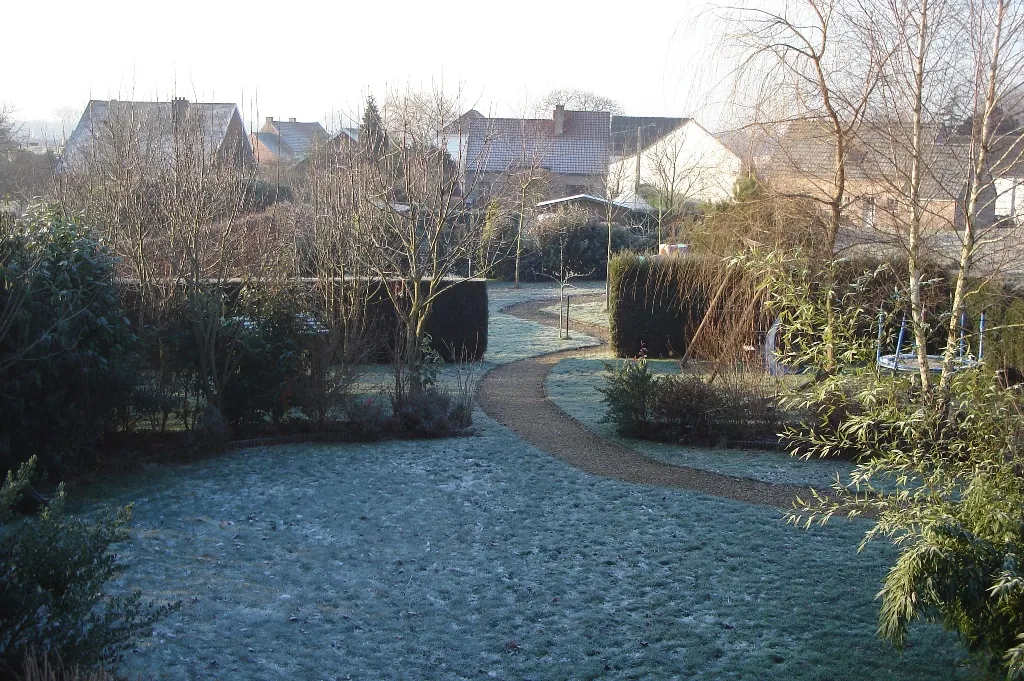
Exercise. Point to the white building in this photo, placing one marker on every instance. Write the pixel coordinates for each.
(676, 155)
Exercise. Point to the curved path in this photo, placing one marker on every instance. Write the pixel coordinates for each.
(514, 395)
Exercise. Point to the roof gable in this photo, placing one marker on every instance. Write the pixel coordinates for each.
(151, 126)
(298, 137)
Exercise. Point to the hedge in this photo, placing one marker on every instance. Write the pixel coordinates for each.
(657, 303)
(458, 321)
(457, 325)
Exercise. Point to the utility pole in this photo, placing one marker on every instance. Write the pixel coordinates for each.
(636, 185)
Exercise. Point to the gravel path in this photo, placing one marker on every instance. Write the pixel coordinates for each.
(514, 396)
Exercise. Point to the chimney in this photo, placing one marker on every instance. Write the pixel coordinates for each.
(178, 107)
(291, 120)
(559, 119)
(269, 120)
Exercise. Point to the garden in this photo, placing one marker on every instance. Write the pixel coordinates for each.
(483, 557)
(279, 476)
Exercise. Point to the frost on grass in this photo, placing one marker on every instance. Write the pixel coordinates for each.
(593, 313)
(484, 557)
(573, 386)
(509, 338)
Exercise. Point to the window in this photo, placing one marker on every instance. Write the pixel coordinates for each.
(892, 206)
(869, 211)
(574, 189)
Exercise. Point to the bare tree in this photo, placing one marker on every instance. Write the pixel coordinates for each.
(810, 59)
(578, 100)
(416, 224)
(157, 180)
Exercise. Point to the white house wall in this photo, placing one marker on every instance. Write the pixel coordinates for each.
(689, 160)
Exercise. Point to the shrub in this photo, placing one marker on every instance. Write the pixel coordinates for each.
(939, 472)
(261, 194)
(1003, 305)
(739, 407)
(429, 409)
(269, 359)
(571, 237)
(52, 572)
(630, 395)
(63, 340)
(951, 497)
(689, 411)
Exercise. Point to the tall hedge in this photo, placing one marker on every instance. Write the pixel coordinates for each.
(458, 322)
(1003, 305)
(658, 303)
(457, 325)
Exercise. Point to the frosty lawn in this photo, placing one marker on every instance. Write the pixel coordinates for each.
(482, 557)
(592, 312)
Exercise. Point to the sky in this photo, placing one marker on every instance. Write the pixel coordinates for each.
(318, 60)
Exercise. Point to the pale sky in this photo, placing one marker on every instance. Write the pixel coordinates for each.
(317, 60)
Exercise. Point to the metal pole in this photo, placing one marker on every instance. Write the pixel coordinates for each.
(567, 297)
(878, 347)
(981, 337)
(899, 342)
(963, 323)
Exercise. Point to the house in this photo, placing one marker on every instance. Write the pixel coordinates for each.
(158, 132)
(877, 172)
(569, 151)
(672, 155)
(288, 141)
(1007, 155)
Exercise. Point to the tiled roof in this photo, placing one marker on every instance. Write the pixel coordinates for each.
(877, 153)
(296, 135)
(150, 123)
(499, 144)
(652, 128)
(276, 145)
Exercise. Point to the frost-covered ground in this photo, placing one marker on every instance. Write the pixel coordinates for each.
(588, 313)
(483, 557)
(573, 386)
(508, 338)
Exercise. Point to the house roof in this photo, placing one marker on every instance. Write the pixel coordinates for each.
(498, 144)
(462, 122)
(652, 128)
(624, 202)
(150, 123)
(876, 154)
(275, 144)
(297, 136)
(630, 199)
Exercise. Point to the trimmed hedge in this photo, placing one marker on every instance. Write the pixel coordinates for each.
(657, 303)
(457, 324)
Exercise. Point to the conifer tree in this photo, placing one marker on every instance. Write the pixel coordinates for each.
(371, 131)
